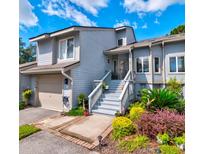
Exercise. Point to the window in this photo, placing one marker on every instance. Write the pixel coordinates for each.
(70, 48)
(142, 64)
(120, 42)
(145, 65)
(172, 61)
(156, 65)
(181, 67)
(176, 64)
(66, 49)
(139, 65)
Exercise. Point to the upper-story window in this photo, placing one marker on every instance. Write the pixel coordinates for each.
(142, 64)
(156, 65)
(66, 49)
(120, 42)
(176, 64)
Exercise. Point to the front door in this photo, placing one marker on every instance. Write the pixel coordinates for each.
(114, 70)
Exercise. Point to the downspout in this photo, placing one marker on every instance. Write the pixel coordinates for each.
(68, 77)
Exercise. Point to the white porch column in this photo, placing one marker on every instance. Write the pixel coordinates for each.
(151, 68)
(131, 62)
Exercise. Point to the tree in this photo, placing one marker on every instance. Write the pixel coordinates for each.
(26, 54)
(178, 30)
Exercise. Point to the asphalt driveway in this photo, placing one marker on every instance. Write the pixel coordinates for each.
(46, 143)
(34, 114)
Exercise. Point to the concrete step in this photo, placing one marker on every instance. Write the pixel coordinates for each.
(114, 99)
(104, 111)
(113, 103)
(114, 91)
(108, 107)
(111, 94)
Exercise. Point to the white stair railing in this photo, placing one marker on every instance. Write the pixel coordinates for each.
(127, 92)
(97, 92)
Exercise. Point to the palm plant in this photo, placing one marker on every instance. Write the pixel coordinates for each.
(159, 98)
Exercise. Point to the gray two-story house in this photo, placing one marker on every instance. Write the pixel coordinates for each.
(81, 59)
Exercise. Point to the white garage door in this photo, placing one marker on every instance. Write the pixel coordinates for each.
(50, 92)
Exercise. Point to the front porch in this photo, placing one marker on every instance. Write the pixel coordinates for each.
(119, 65)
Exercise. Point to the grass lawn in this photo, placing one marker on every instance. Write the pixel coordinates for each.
(75, 112)
(26, 130)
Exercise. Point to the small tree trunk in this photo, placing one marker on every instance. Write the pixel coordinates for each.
(83, 104)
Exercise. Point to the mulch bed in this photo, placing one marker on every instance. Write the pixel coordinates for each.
(110, 147)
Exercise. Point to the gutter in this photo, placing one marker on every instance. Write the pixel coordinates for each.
(67, 76)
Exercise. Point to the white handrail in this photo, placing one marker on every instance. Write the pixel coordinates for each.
(96, 90)
(125, 88)
(106, 75)
(127, 75)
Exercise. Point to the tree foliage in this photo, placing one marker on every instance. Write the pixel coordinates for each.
(178, 30)
(26, 54)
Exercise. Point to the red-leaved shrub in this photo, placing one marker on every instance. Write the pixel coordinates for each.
(162, 121)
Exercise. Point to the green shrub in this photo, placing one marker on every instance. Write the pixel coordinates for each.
(179, 140)
(136, 112)
(104, 86)
(26, 94)
(175, 86)
(159, 98)
(81, 99)
(167, 149)
(118, 114)
(136, 104)
(180, 106)
(76, 112)
(26, 130)
(140, 141)
(22, 105)
(122, 126)
(163, 138)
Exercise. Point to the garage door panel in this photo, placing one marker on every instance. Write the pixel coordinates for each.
(50, 92)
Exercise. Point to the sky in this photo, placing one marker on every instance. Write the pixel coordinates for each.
(149, 18)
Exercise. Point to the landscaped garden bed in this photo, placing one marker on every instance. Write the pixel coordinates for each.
(26, 130)
(155, 124)
(82, 108)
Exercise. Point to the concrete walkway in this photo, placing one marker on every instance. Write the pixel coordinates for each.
(89, 128)
(33, 114)
(46, 143)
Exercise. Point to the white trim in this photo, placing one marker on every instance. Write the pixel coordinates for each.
(142, 59)
(39, 38)
(176, 57)
(67, 59)
(159, 65)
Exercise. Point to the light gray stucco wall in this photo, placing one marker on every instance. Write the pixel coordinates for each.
(174, 49)
(92, 60)
(170, 49)
(24, 83)
(45, 52)
(142, 77)
(126, 34)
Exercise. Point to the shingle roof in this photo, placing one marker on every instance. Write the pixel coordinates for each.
(49, 68)
(144, 43)
(45, 35)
